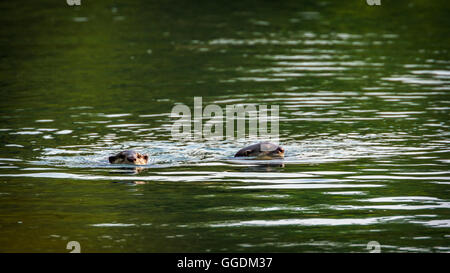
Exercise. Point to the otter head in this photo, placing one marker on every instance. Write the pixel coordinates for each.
(129, 157)
(263, 150)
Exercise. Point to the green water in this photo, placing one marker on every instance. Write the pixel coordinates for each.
(363, 93)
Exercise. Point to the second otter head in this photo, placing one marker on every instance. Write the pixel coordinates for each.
(262, 150)
(129, 157)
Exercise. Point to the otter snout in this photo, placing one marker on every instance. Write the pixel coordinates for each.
(129, 157)
(280, 151)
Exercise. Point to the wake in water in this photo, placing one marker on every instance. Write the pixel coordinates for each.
(163, 154)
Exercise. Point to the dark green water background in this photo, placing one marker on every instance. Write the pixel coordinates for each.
(364, 103)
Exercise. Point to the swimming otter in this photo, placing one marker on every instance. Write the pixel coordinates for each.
(262, 150)
(129, 157)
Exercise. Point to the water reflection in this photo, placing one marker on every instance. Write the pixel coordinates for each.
(314, 222)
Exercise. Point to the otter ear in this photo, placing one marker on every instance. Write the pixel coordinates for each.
(145, 157)
(111, 159)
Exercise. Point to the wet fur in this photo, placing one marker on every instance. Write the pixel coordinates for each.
(262, 150)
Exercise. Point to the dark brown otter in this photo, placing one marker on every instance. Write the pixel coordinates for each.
(129, 157)
(262, 150)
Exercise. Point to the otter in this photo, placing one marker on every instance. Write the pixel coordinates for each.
(129, 157)
(262, 150)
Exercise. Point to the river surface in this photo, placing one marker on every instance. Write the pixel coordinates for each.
(363, 96)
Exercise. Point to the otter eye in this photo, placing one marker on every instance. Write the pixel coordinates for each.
(247, 152)
(281, 150)
(139, 156)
